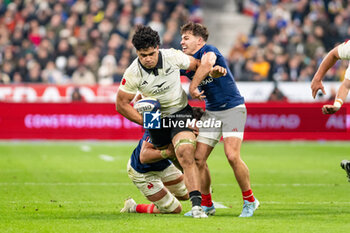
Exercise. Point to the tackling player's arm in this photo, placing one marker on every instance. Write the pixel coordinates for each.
(207, 62)
(194, 63)
(331, 58)
(123, 107)
(149, 154)
(215, 72)
(339, 99)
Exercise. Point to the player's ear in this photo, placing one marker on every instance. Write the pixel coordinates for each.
(200, 40)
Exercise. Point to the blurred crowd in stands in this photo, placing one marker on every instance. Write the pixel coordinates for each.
(80, 41)
(289, 39)
(89, 42)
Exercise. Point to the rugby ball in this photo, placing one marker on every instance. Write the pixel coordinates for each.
(147, 104)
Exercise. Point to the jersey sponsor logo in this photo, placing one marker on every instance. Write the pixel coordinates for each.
(123, 81)
(144, 83)
(150, 185)
(206, 81)
(160, 85)
(151, 120)
(159, 90)
(169, 71)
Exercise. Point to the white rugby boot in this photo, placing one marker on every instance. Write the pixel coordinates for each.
(129, 206)
(197, 212)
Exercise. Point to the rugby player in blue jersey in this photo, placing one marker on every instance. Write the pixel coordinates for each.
(156, 177)
(158, 180)
(223, 102)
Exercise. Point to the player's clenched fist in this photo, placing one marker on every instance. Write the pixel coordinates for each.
(217, 72)
(329, 109)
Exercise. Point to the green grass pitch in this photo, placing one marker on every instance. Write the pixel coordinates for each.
(81, 186)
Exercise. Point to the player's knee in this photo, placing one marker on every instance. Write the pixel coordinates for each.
(187, 161)
(185, 155)
(186, 149)
(201, 163)
(167, 204)
(185, 145)
(233, 157)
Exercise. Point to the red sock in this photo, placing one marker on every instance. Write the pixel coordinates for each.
(145, 208)
(206, 200)
(248, 195)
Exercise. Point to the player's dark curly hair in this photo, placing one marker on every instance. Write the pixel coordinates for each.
(145, 37)
(197, 113)
(197, 29)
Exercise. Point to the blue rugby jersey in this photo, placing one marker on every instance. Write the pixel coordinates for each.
(147, 167)
(221, 93)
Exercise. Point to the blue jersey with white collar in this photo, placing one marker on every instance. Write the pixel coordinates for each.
(221, 93)
(146, 167)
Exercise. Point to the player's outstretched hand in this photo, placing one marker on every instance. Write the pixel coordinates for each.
(217, 72)
(329, 109)
(195, 94)
(315, 86)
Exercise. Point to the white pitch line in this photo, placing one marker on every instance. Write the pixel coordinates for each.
(307, 203)
(116, 184)
(65, 184)
(74, 172)
(291, 202)
(219, 205)
(285, 185)
(107, 158)
(61, 202)
(85, 148)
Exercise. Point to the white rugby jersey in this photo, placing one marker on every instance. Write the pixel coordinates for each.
(166, 86)
(344, 54)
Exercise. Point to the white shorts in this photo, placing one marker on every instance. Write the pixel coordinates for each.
(152, 182)
(232, 125)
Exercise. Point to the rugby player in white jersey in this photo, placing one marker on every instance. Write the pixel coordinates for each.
(342, 52)
(158, 179)
(156, 73)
